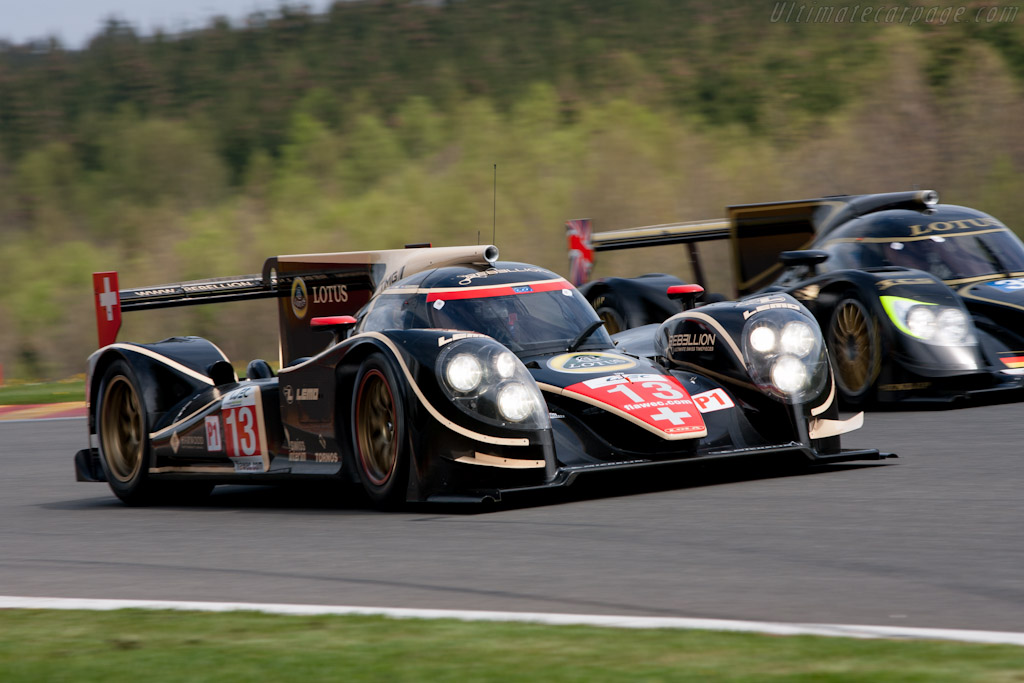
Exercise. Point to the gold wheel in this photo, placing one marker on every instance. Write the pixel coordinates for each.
(608, 311)
(852, 341)
(611, 320)
(122, 429)
(376, 428)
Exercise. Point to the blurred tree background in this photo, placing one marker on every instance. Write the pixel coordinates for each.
(172, 157)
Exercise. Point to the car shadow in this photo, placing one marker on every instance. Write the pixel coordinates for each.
(316, 497)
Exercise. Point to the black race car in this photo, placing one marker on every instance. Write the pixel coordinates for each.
(444, 375)
(919, 301)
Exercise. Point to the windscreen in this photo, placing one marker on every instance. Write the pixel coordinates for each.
(531, 318)
(948, 257)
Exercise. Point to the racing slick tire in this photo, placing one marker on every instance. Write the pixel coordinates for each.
(379, 439)
(611, 312)
(855, 347)
(123, 431)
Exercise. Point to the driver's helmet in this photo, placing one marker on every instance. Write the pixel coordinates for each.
(944, 257)
(498, 316)
(917, 255)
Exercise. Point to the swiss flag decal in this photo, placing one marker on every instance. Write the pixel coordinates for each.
(108, 306)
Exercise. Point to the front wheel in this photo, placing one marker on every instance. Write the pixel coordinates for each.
(853, 342)
(379, 433)
(611, 312)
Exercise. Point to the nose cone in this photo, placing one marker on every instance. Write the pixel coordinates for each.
(1008, 292)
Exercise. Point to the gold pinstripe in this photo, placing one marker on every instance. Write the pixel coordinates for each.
(476, 436)
(162, 359)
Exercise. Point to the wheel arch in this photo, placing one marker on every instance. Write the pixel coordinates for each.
(395, 490)
(165, 377)
(865, 296)
(346, 370)
(97, 370)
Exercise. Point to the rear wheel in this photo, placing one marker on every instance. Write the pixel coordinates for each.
(124, 435)
(378, 432)
(853, 343)
(124, 444)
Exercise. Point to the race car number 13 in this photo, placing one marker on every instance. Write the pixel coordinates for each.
(240, 431)
(666, 391)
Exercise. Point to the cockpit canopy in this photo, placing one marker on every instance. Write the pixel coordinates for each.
(953, 243)
(526, 308)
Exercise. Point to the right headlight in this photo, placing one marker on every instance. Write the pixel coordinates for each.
(515, 401)
(487, 381)
(785, 355)
(929, 322)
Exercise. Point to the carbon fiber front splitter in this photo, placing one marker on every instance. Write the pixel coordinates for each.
(566, 476)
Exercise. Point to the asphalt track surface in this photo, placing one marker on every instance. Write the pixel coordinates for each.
(934, 539)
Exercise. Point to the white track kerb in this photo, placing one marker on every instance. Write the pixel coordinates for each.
(612, 621)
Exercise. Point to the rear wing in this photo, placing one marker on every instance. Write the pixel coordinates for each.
(583, 242)
(307, 286)
(110, 301)
(757, 233)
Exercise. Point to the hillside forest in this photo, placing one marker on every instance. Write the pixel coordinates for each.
(171, 157)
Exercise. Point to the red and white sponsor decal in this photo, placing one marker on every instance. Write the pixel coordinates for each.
(243, 429)
(710, 401)
(658, 401)
(213, 440)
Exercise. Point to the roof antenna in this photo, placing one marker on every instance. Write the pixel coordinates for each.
(494, 205)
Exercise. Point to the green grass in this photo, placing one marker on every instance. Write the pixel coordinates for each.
(42, 392)
(133, 645)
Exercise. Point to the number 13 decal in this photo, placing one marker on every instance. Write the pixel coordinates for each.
(241, 433)
(665, 391)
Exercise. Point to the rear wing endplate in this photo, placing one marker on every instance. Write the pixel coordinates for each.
(110, 300)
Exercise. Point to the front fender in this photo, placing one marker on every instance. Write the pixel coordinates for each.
(453, 447)
(420, 352)
(710, 340)
(880, 290)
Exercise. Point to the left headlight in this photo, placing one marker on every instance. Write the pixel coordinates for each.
(785, 355)
(929, 322)
(463, 372)
(487, 381)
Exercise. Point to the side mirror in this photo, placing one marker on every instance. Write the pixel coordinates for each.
(338, 324)
(806, 257)
(687, 294)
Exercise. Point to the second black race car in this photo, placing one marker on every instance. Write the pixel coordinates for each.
(444, 375)
(919, 300)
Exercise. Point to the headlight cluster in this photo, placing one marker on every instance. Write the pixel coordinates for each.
(486, 380)
(929, 322)
(785, 355)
